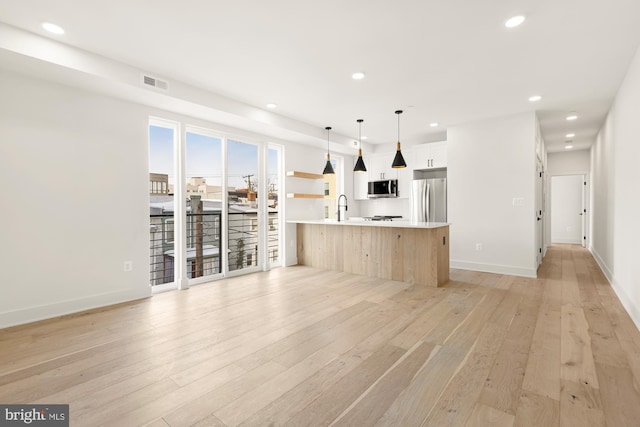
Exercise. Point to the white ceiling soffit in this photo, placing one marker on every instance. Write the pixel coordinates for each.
(447, 62)
(30, 54)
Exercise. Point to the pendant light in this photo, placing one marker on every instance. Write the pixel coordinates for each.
(398, 160)
(328, 169)
(360, 167)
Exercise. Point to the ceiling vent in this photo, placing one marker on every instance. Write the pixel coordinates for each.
(152, 81)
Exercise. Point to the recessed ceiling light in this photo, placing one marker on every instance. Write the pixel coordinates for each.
(365, 137)
(514, 22)
(572, 116)
(568, 147)
(535, 98)
(357, 76)
(52, 28)
(570, 135)
(434, 124)
(271, 105)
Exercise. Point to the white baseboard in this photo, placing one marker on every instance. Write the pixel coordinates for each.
(55, 309)
(291, 262)
(603, 266)
(493, 268)
(632, 309)
(627, 303)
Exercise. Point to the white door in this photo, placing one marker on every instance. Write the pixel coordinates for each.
(567, 194)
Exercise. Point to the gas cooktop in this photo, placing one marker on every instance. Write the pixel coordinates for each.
(382, 217)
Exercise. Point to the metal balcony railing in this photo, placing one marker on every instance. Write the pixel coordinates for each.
(204, 242)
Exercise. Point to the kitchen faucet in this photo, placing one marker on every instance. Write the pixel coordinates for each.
(340, 206)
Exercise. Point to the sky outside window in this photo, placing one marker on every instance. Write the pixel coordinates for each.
(243, 161)
(161, 151)
(204, 155)
(204, 158)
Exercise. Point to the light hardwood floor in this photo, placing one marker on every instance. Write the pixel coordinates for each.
(305, 347)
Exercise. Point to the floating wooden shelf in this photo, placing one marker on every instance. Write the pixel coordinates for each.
(307, 175)
(304, 196)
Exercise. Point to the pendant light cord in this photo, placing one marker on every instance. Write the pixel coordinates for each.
(328, 169)
(328, 128)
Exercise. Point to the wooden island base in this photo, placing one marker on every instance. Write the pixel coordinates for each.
(412, 255)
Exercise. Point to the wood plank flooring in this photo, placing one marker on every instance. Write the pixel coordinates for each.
(301, 346)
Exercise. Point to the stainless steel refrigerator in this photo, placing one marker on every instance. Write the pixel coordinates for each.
(429, 200)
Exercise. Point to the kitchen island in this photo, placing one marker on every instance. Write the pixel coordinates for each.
(412, 252)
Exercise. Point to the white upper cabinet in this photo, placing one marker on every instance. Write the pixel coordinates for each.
(430, 156)
(379, 167)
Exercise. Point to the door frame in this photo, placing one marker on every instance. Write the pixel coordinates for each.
(586, 183)
(539, 213)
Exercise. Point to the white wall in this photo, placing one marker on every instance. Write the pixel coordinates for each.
(614, 169)
(489, 163)
(566, 206)
(75, 200)
(569, 162)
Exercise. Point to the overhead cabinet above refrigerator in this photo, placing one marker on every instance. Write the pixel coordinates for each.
(430, 156)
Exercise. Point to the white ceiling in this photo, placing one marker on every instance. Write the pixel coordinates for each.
(449, 62)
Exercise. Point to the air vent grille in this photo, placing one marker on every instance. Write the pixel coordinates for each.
(152, 81)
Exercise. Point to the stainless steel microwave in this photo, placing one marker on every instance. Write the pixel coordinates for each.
(384, 188)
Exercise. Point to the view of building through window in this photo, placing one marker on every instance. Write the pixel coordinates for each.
(161, 219)
(204, 207)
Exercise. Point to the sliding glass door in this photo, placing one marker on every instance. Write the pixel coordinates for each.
(204, 204)
(162, 179)
(243, 219)
(213, 205)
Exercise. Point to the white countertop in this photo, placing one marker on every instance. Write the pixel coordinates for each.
(398, 223)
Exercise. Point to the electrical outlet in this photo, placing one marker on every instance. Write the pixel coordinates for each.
(128, 265)
(478, 246)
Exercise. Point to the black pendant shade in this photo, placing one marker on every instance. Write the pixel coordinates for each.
(398, 160)
(360, 167)
(328, 169)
